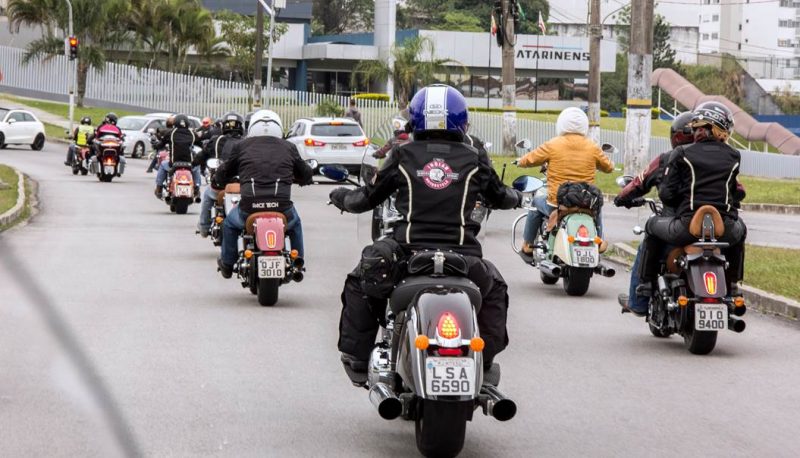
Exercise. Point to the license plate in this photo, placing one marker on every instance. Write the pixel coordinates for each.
(183, 191)
(710, 317)
(270, 267)
(449, 376)
(585, 255)
(108, 169)
(336, 147)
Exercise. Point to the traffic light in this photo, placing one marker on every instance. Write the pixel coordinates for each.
(73, 48)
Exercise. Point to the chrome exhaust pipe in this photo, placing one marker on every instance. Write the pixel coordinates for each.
(297, 276)
(496, 404)
(550, 268)
(736, 324)
(388, 405)
(605, 270)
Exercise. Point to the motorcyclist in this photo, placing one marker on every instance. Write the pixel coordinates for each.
(572, 157)
(680, 134)
(399, 137)
(109, 128)
(267, 166)
(158, 137)
(703, 173)
(82, 137)
(180, 141)
(430, 175)
(218, 147)
(207, 130)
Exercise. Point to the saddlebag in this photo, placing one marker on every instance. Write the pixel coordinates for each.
(580, 195)
(380, 268)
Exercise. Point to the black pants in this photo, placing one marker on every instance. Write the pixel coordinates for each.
(361, 314)
(675, 231)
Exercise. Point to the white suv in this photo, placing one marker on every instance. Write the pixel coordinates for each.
(20, 127)
(330, 141)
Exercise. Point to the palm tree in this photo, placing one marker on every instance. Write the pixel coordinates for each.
(414, 64)
(94, 24)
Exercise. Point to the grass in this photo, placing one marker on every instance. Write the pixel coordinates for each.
(8, 195)
(659, 128)
(26, 211)
(759, 190)
(62, 109)
(52, 131)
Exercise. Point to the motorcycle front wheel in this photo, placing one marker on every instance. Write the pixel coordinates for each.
(441, 426)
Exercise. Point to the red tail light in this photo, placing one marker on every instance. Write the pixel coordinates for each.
(312, 142)
(583, 232)
(272, 239)
(448, 326)
(710, 300)
(364, 142)
(450, 351)
(109, 161)
(710, 281)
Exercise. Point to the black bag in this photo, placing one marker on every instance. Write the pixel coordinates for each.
(580, 195)
(380, 268)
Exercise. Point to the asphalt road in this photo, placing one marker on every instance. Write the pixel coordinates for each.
(198, 368)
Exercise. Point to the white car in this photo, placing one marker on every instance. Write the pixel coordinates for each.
(137, 131)
(20, 127)
(330, 141)
(194, 121)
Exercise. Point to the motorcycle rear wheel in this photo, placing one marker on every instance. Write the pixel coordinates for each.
(268, 291)
(441, 427)
(576, 280)
(106, 178)
(181, 206)
(700, 342)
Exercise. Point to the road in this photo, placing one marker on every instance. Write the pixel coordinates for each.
(198, 368)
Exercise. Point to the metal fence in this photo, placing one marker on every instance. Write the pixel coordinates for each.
(155, 90)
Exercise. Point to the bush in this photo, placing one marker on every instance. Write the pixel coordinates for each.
(654, 113)
(380, 97)
(603, 113)
(329, 108)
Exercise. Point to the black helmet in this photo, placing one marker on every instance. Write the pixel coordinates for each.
(86, 120)
(716, 116)
(680, 132)
(111, 118)
(232, 122)
(181, 121)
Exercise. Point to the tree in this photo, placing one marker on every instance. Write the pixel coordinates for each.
(240, 35)
(459, 21)
(95, 25)
(333, 17)
(431, 13)
(614, 90)
(663, 54)
(788, 101)
(414, 65)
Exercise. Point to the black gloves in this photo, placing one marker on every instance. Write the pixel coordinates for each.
(337, 197)
(622, 202)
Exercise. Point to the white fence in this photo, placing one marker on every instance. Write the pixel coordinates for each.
(154, 90)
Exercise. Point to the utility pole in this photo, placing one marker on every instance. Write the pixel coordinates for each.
(595, 35)
(508, 18)
(73, 77)
(640, 94)
(259, 57)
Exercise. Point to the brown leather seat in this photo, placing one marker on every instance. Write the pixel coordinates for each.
(234, 188)
(672, 257)
(562, 212)
(696, 225)
(250, 224)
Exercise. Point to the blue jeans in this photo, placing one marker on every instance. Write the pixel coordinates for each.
(533, 224)
(638, 304)
(209, 198)
(163, 172)
(234, 225)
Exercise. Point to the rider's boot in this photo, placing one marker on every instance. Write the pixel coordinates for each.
(355, 369)
(159, 192)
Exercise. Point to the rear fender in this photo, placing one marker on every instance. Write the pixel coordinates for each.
(181, 177)
(706, 279)
(422, 319)
(560, 245)
(270, 234)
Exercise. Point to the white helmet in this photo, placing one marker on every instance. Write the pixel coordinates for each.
(572, 121)
(265, 123)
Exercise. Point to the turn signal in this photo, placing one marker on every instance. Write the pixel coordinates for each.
(422, 342)
(294, 254)
(219, 219)
(598, 240)
(570, 239)
(248, 254)
(683, 301)
(477, 344)
(738, 301)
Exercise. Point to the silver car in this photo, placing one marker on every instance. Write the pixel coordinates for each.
(137, 131)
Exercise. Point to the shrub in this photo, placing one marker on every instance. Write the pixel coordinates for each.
(603, 113)
(654, 113)
(380, 97)
(328, 107)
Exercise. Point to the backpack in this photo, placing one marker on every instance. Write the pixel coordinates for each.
(380, 268)
(580, 195)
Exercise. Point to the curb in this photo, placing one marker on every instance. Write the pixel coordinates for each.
(756, 299)
(764, 208)
(14, 212)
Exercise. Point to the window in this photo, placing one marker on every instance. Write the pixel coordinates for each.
(17, 116)
(29, 117)
(715, 36)
(785, 44)
(336, 130)
(788, 23)
(705, 36)
(715, 18)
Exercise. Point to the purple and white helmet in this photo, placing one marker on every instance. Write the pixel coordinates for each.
(439, 107)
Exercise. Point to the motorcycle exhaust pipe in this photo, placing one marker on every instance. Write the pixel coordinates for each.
(298, 263)
(388, 405)
(496, 404)
(550, 268)
(605, 270)
(297, 276)
(736, 324)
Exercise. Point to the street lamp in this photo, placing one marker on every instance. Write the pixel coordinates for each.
(273, 11)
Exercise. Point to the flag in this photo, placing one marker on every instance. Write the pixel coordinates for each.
(542, 25)
(521, 12)
(494, 26)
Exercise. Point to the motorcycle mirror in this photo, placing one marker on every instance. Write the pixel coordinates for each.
(638, 230)
(212, 163)
(312, 163)
(624, 180)
(527, 183)
(525, 144)
(488, 145)
(608, 148)
(151, 131)
(335, 172)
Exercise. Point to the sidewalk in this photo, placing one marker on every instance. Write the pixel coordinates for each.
(43, 116)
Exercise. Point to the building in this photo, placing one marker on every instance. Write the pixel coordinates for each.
(296, 11)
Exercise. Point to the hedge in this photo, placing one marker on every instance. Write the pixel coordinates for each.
(654, 113)
(380, 97)
(603, 113)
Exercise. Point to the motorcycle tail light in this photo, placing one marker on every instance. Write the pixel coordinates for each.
(272, 239)
(709, 300)
(710, 282)
(448, 326)
(583, 232)
(450, 351)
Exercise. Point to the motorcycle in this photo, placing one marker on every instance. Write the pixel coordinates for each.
(107, 164)
(691, 298)
(179, 189)
(266, 259)
(227, 200)
(80, 163)
(568, 245)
